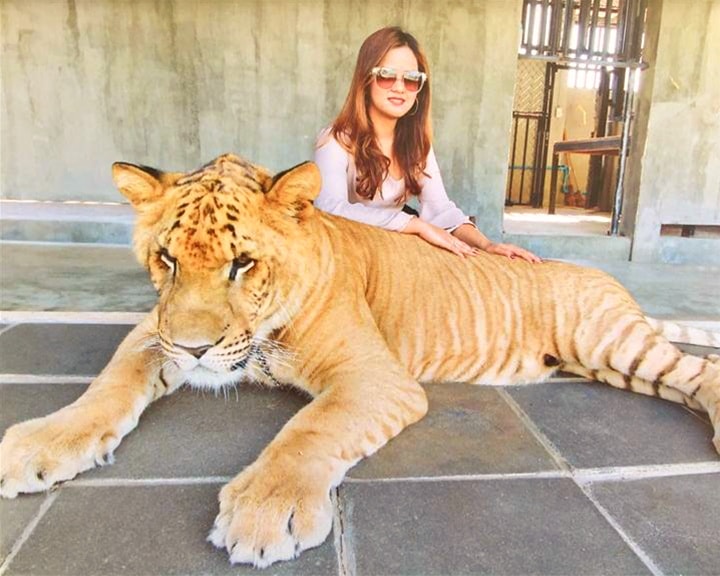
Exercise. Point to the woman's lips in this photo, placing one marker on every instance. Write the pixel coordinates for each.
(396, 101)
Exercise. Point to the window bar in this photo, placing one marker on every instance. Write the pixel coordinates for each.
(622, 162)
(522, 173)
(582, 26)
(537, 20)
(516, 121)
(594, 28)
(621, 23)
(525, 28)
(630, 29)
(639, 27)
(609, 6)
(567, 26)
(555, 35)
(543, 25)
(531, 24)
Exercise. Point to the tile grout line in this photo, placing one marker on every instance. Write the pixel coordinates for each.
(29, 529)
(584, 476)
(588, 476)
(463, 477)
(11, 326)
(132, 482)
(29, 379)
(545, 441)
(343, 550)
(634, 546)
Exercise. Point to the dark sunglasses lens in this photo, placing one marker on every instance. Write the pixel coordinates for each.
(385, 82)
(412, 84)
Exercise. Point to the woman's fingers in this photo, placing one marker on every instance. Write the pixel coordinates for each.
(512, 251)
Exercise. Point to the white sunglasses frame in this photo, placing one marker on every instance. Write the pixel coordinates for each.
(423, 77)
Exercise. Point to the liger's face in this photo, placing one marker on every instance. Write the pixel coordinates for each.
(396, 101)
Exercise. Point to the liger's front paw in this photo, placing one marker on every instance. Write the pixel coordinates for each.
(38, 453)
(267, 515)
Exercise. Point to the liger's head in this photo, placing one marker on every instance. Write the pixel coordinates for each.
(219, 246)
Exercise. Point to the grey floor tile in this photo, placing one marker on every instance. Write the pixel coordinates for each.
(188, 434)
(159, 530)
(676, 520)
(64, 349)
(468, 430)
(536, 526)
(199, 434)
(20, 402)
(15, 515)
(595, 425)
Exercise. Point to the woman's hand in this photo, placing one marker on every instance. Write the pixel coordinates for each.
(439, 237)
(512, 251)
(472, 236)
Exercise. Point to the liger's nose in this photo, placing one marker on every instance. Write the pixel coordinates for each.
(198, 351)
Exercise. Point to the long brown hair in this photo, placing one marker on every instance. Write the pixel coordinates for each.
(353, 127)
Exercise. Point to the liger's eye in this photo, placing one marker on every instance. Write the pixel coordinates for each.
(240, 265)
(168, 260)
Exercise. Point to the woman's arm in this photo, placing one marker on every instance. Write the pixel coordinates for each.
(440, 211)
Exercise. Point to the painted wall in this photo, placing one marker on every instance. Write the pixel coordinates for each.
(174, 83)
(678, 151)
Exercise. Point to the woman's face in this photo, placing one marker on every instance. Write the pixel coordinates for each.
(394, 102)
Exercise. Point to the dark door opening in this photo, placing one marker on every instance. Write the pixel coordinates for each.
(578, 67)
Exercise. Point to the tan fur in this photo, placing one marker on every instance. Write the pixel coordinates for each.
(354, 315)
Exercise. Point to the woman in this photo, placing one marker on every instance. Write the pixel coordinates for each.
(378, 152)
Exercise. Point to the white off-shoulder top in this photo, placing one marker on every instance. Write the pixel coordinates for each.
(338, 195)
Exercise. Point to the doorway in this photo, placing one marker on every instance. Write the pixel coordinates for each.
(578, 68)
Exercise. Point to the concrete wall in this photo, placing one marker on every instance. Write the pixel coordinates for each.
(675, 158)
(173, 83)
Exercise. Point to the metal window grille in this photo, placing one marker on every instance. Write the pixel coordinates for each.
(599, 31)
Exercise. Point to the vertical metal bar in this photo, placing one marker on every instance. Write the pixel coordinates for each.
(636, 49)
(582, 25)
(525, 28)
(543, 25)
(593, 27)
(536, 13)
(512, 158)
(621, 23)
(619, 189)
(595, 170)
(522, 174)
(567, 26)
(608, 24)
(630, 26)
(543, 137)
(553, 182)
(556, 23)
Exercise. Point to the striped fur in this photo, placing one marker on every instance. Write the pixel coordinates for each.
(255, 284)
(684, 334)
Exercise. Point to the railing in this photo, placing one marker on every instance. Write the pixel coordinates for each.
(523, 157)
(519, 156)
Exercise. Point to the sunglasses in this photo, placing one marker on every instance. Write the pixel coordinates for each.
(413, 80)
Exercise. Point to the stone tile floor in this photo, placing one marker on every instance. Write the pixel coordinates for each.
(564, 477)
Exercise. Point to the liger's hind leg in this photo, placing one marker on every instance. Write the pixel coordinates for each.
(634, 384)
(657, 367)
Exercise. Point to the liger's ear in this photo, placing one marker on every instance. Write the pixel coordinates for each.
(139, 184)
(294, 190)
